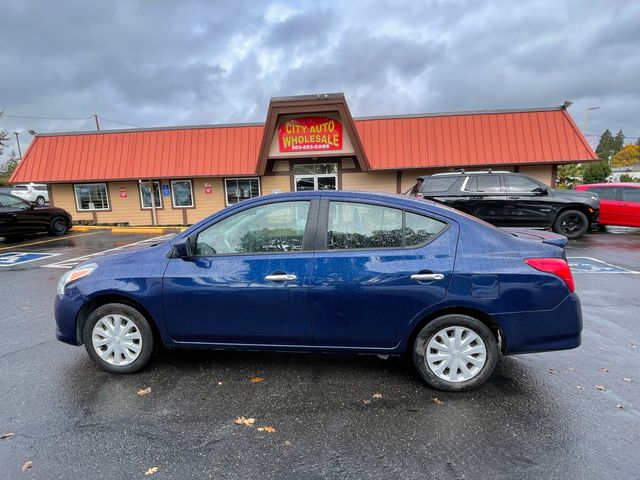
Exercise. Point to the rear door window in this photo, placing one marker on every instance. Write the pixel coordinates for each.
(483, 184)
(630, 194)
(605, 193)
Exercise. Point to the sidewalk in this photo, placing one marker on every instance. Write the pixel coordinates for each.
(140, 229)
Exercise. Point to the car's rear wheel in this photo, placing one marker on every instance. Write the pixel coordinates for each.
(118, 338)
(59, 226)
(40, 200)
(455, 353)
(571, 224)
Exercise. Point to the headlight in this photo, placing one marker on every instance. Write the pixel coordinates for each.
(594, 198)
(75, 274)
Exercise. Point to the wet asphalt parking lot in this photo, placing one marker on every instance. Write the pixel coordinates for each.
(571, 414)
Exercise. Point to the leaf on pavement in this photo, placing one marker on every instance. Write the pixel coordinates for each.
(618, 405)
(247, 422)
(256, 379)
(366, 402)
(151, 471)
(4, 436)
(553, 371)
(602, 388)
(437, 401)
(377, 395)
(632, 345)
(580, 387)
(144, 391)
(627, 379)
(267, 429)
(27, 465)
(605, 370)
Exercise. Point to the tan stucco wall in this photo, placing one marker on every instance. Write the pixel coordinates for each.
(206, 204)
(62, 196)
(539, 172)
(370, 181)
(275, 182)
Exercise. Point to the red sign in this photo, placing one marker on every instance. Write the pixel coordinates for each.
(207, 189)
(310, 134)
(123, 192)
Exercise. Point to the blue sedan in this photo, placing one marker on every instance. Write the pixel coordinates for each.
(332, 272)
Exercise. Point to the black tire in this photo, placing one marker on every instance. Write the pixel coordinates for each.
(40, 201)
(571, 223)
(59, 226)
(141, 325)
(434, 329)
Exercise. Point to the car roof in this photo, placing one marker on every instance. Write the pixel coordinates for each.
(618, 184)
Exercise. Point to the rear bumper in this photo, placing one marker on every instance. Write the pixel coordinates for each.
(543, 330)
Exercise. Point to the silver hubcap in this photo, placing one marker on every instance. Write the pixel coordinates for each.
(456, 354)
(117, 340)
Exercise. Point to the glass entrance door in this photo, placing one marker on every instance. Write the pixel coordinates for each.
(317, 176)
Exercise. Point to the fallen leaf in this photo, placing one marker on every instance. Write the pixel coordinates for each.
(256, 379)
(571, 369)
(605, 370)
(151, 471)
(632, 345)
(580, 387)
(618, 406)
(287, 443)
(219, 383)
(4, 436)
(366, 402)
(627, 379)
(377, 395)
(602, 388)
(267, 429)
(553, 371)
(27, 465)
(144, 391)
(437, 401)
(248, 422)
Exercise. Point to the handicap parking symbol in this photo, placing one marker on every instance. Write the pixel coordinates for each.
(10, 259)
(593, 265)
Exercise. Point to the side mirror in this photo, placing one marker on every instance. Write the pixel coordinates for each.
(541, 191)
(183, 248)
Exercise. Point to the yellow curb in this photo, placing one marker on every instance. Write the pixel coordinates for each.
(138, 230)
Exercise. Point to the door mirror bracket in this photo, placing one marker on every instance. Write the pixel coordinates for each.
(183, 248)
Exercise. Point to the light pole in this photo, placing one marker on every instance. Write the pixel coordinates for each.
(18, 141)
(586, 118)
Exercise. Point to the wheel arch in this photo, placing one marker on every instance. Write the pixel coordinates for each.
(104, 299)
(582, 208)
(485, 318)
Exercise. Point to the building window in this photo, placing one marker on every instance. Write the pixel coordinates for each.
(145, 194)
(238, 189)
(181, 193)
(316, 176)
(91, 196)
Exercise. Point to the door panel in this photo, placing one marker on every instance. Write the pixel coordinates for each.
(631, 197)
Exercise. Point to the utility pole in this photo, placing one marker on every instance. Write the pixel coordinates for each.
(586, 118)
(95, 115)
(18, 142)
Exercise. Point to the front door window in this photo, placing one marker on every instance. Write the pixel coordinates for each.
(316, 176)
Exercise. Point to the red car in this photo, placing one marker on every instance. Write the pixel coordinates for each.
(619, 203)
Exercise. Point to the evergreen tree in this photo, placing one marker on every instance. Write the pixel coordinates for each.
(618, 142)
(11, 165)
(606, 146)
(596, 172)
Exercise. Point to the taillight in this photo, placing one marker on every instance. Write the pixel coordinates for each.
(556, 266)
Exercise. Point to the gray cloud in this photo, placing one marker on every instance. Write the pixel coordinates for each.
(166, 63)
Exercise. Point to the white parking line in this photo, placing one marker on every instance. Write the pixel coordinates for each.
(593, 265)
(72, 262)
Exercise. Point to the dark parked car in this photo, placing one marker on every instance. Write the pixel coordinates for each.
(18, 216)
(512, 200)
(330, 271)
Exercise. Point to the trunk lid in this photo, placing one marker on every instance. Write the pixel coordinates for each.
(542, 236)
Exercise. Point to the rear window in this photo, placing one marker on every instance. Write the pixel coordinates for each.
(41, 188)
(20, 187)
(438, 184)
(605, 193)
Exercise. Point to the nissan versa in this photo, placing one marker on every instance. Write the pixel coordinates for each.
(335, 272)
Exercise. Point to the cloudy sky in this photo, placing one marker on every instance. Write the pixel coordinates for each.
(154, 63)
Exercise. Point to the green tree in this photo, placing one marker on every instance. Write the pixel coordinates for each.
(606, 146)
(618, 142)
(628, 155)
(638, 142)
(596, 172)
(569, 175)
(625, 177)
(11, 164)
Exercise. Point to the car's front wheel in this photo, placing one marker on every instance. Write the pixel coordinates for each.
(455, 353)
(59, 226)
(571, 223)
(118, 338)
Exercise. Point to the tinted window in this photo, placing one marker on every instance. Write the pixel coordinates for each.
(438, 184)
(238, 189)
(9, 201)
(483, 184)
(356, 225)
(630, 194)
(278, 227)
(516, 183)
(605, 193)
(41, 188)
(419, 229)
(21, 187)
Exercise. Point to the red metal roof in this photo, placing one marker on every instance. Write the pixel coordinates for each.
(447, 140)
(492, 138)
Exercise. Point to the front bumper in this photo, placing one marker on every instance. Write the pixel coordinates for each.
(544, 330)
(66, 311)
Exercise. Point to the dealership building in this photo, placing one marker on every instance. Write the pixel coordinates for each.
(179, 175)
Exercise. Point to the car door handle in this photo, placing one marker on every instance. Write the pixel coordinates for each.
(513, 198)
(427, 277)
(281, 277)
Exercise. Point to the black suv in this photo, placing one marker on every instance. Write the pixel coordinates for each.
(510, 199)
